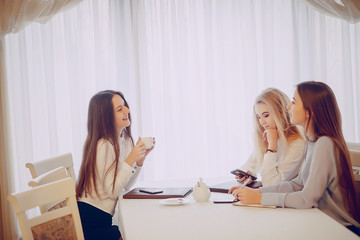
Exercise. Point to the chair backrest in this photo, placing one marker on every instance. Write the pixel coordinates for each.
(353, 146)
(52, 176)
(41, 167)
(61, 223)
(355, 162)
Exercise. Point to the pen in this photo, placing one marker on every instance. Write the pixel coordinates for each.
(246, 182)
(242, 186)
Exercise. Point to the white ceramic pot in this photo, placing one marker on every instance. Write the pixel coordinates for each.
(201, 192)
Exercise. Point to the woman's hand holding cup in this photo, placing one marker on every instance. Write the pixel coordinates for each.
(149, 143)
(137, 153)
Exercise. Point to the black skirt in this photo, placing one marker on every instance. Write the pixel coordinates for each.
(96, 223)
(354, 229)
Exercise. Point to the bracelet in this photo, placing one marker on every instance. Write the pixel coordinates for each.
(269, 150)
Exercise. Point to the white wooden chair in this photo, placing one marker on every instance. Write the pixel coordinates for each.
(61, 223)
(354, 149)
(353, 146)
(41, 167)
(355, 162)
(48, 177)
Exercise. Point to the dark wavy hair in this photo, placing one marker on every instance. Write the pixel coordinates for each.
(320, 102)
(100, 125)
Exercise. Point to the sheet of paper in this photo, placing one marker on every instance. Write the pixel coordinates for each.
(221, 196)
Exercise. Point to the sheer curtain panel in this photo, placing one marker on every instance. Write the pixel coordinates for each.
(349, 10)
(14, 16)
(17, 14)
(8, 221)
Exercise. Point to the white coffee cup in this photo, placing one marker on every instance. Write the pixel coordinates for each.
(148, 141)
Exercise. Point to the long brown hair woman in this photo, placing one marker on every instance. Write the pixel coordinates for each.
(110, 163)
(326, 179)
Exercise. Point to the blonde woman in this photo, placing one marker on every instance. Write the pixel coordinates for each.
(279, 145)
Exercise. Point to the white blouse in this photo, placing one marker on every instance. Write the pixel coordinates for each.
(283, 165)
(125, 178)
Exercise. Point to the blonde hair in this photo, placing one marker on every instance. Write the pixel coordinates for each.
(277, 102)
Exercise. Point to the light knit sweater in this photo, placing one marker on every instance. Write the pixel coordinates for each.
(125, 178)
(281, 166)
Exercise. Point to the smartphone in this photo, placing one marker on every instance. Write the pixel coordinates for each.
(151, 191)
(241, 174)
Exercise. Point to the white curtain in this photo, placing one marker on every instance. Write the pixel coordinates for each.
(348, 10)
(17, 14)
(14, 16)
(190, 71)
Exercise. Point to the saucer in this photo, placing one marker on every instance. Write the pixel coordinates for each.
(174, 201)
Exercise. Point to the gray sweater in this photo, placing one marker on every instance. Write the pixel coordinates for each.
(315, 186)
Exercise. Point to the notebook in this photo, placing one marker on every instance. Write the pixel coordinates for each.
(252, 205)
(166, 193)
(225, 187)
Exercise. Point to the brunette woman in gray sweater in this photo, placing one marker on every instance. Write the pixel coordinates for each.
(326, 179)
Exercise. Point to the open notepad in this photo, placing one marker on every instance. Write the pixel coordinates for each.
(178, 192)
(252, 205)
(225, 187)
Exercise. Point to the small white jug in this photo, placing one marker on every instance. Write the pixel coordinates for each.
(201, 192)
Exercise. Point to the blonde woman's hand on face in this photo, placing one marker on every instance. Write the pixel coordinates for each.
(137, 153)
(247, 195)
(271, 136)
(140, 162)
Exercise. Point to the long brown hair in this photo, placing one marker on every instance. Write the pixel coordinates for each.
(277, 102)
(100, 125)
(320, 102)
